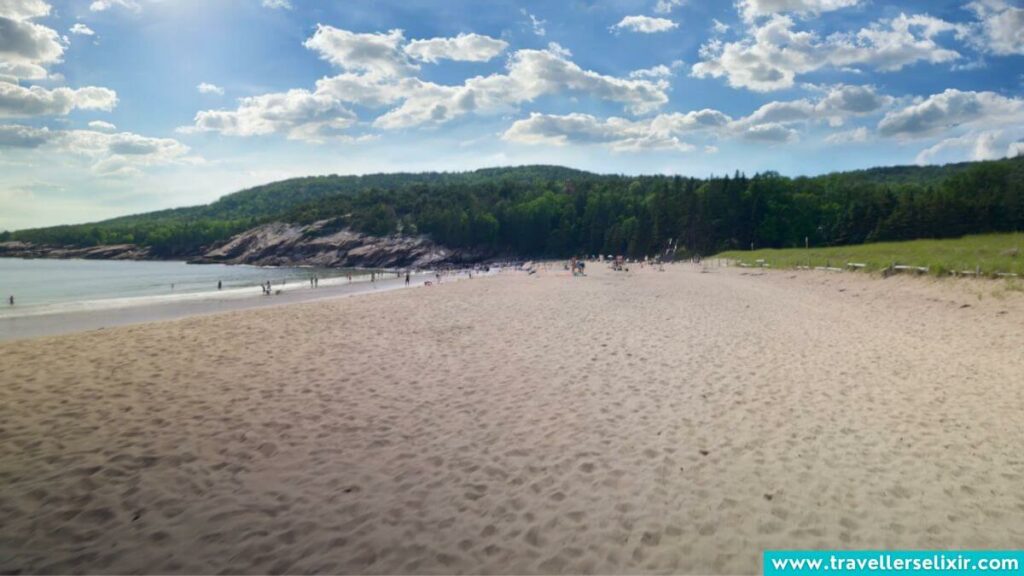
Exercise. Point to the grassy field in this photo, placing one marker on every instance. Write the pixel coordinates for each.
(990, 253)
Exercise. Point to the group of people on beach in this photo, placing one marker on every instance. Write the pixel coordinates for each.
(578, 266)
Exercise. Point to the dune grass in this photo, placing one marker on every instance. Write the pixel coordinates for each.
(990, 254)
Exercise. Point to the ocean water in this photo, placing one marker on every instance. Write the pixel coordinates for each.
(44, 286)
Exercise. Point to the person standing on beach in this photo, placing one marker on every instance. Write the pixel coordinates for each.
(219, 285)
(406, 277)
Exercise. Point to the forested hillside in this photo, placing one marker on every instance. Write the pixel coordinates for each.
(555, 211)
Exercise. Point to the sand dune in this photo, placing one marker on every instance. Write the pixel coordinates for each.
(671, 421)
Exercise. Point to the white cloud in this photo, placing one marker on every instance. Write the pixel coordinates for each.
(102, 5)
(102, 126)
(379, 73)
(775, 122)
(24, 9)
(536, 24)
(530, 74)
(283, 4)
(368, 90)
(662, 132)
(773, 53)
(659, 71)
(666, 6)
(12, 72)
(111, 153)
(968, 125)
(619, 134)
(376, 53)
(1001, 26)
(751, 9)
(19, 101)
(207, 88)
(857, 135)
(770, 133)
(719, 27)
(299, 114)
(81, 30)
(464, 47)
(17, 136)
(982, 145)
(28, 46)
(952, 108)
(645, 24)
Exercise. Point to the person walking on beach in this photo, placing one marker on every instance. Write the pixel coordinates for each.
(219, 285)
(406, 277)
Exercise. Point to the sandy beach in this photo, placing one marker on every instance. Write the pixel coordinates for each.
(679, 421)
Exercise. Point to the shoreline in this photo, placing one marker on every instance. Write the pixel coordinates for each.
(43, 324)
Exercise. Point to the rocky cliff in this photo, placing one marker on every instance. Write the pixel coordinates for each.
(110, 252)
(281, 244)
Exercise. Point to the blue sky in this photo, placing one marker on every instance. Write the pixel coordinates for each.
(109, 107)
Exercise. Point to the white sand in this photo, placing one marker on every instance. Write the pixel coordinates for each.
(644, 422)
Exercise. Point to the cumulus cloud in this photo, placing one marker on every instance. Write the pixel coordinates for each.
(1001, 26)
(645, 24)
(374, 53)
(464, 47)
(28, 45)
(277, 4)
(81, 30)
(103, 5)
(24, 9)
(207, 88)
(299, 114)
(968, 125)
(667, 6)
(19, 101)
(530, 75)
(773, 53)
(950, 109)
(17, 136)
(982, 145)
(773, 123)
(13, 72)
(102, 126)
(751, 9)
(619, 134)
(770, 133)
(111, 153)
(379, 72)
(659, 71)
